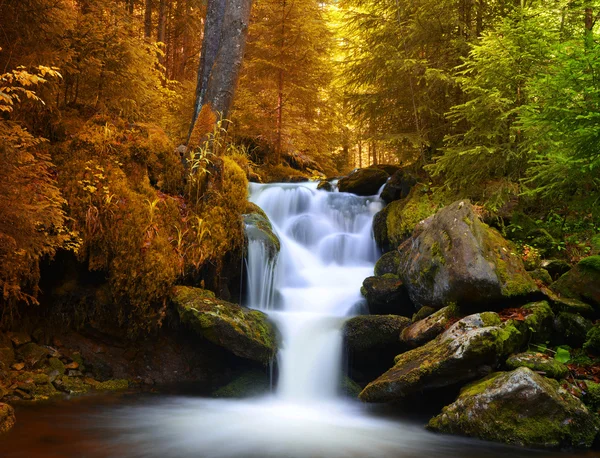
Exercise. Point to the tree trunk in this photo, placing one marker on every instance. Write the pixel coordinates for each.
(359, 153)
(148, 19)
(162, 21)
(225, 32)
(280, 88)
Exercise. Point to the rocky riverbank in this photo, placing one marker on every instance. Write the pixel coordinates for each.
(462, 307)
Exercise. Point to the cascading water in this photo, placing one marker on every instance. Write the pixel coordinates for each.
(326, 252)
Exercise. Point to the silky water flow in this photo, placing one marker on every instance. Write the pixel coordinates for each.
(327, 250)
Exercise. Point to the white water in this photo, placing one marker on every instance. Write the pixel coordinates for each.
(327, 250)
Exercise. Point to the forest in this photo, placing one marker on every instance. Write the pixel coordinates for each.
(139, 140)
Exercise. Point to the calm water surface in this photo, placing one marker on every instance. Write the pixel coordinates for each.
(153, 426)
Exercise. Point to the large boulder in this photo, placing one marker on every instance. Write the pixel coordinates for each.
(396, 222)
(422, 331)
(453, 257)
(466, 351)
(521, 408)
(386, 295)
(368, 332)
(582, 282)
(398, 186)
(363, 182)
(244, 332)
(7, 417)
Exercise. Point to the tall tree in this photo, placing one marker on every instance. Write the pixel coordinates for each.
(225, 32)
(284, 99)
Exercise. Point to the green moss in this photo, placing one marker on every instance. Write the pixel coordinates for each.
(246, 333)
(592, 340)
(592, 395)
(388, 263)
(71, 385)
(509, 268)
(479, 386)
(539, 321)
(490, 319)
(251, 207)
(541, 275)
(538, 362)
(404, 215)
(492, 409)
(56, 364)
(112, 385)
(422, 313)
(591, 262)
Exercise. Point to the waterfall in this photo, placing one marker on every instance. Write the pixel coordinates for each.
(327, 250)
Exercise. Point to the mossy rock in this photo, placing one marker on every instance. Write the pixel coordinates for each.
(520, 408)
(246, 333)
(423, 313)
(76, 356)
(592, 395)
(541, 275)
(369, 332)
(402, 216)
(363, 182)
(7, 417)
(464, 352)
(571, 329)
(387, 295)
(380, 233)
(46, 391)
(111, 385)
(565, 304)
(387, 264)
(538, 362)
(538, 322)
(430, 327)
(582, 282)
(33, 355)
(57, 365)
(325, 185)
(592, 340)
(71, 385)
(259, 228)
(453, 257)
(249, 384)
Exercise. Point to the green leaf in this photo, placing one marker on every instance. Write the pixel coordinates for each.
(562, 355)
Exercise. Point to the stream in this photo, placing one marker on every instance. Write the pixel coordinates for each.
(327, 250)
